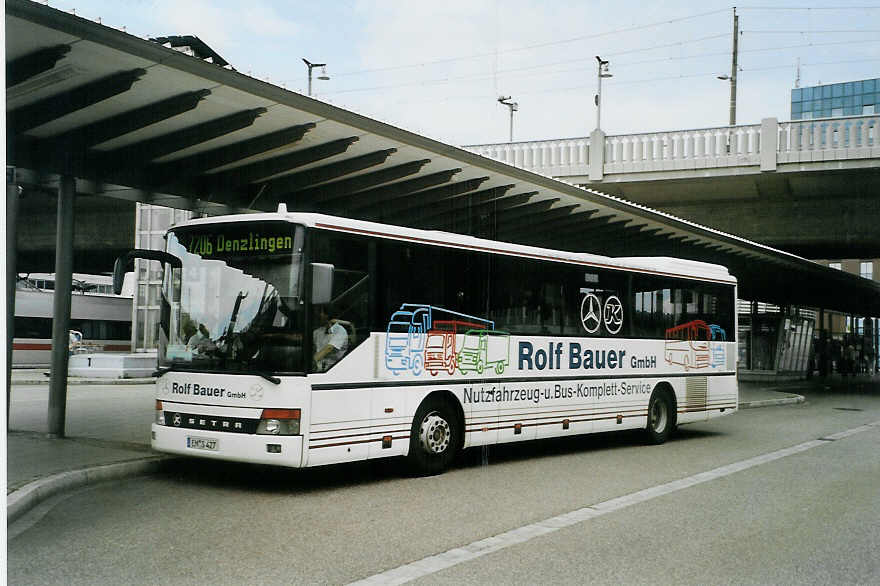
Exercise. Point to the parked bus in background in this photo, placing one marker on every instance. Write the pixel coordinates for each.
(570, 343)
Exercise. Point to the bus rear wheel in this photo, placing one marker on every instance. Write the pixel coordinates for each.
(661, 417)
(434, 438)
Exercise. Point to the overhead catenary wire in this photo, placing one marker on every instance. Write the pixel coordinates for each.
(534, 46)
(544, 67)
(618, 82)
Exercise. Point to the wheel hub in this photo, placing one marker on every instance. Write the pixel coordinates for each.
(434, 433)
(658, 416)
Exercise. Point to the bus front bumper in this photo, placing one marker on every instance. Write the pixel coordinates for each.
(279, 450)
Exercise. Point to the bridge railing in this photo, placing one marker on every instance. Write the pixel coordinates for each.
(550, 157)
(765, 145)
(683, 149)
(828, 138)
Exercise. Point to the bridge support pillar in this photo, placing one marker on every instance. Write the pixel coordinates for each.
(597, 155)
(61, 309)
(769, 143)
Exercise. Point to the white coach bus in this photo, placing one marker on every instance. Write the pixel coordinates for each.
(522, 342)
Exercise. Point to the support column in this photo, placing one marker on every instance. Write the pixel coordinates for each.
(769, 143)
(61, 309)
(597, 155)
(823, 353)
(11, 275)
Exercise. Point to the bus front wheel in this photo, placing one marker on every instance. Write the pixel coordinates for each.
(661, 417)
(435, 437)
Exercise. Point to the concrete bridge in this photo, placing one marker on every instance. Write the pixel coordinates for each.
(808, 186)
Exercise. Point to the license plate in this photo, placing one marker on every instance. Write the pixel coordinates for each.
(202, 443)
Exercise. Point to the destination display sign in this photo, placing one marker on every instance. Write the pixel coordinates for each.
(247, 239)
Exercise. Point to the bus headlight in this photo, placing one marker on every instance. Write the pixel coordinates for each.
(272, 426)
(279, 422)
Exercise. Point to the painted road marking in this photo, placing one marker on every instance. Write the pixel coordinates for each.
(453, 557)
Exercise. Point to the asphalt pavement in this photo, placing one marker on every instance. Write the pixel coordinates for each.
(39, 467)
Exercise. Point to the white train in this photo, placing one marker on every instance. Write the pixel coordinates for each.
(102, 318)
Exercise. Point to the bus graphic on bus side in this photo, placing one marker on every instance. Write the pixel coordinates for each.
(718, 355)
(408, 332)
(484, 349)
(688, 344)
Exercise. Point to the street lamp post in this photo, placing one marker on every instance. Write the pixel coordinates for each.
(603, 72)
(311, 66)
(733, 68)
(514, 106)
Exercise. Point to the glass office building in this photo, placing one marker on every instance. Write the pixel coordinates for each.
(851, 98)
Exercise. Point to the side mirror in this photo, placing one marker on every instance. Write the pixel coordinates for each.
(123, 261)
(322, 283)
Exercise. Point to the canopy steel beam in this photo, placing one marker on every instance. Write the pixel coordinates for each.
(31, 65)
(574, 219)
(304, 179)
(366, 199)
(490, 209)
(67, 152)
(159, 174)
(415, 187)
(417, 215)
(426, 198)
(460, 205)
(141, 153)
(528, 209)
(48, 109)
(595, 229)
(517, 224)
(345, 187)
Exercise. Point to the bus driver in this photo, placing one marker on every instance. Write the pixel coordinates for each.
(330, 341)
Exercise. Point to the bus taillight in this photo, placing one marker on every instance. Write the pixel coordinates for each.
(279, 422)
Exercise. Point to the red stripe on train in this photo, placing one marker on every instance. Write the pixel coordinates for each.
(34, 346)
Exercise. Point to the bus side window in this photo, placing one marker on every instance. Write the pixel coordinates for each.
(351, 281)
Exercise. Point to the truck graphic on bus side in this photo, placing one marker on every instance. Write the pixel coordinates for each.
(441, 347)
(408, 332)
(483, 349)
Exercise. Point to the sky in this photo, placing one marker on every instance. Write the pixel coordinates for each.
(438, 68)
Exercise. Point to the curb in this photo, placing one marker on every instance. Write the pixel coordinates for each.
(772, 402)
(22, 500)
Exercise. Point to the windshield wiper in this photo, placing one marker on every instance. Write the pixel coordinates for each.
(266, 375)
(162, 370)
(177, 368)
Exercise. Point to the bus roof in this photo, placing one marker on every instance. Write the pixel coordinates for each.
(658, 265)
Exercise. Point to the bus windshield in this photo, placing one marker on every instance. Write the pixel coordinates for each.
(236, 304)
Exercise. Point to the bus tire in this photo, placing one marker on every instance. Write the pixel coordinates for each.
(435, 437)
(661, 417)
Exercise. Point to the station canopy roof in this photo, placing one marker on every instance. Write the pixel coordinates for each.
(133, 119)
